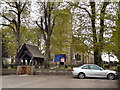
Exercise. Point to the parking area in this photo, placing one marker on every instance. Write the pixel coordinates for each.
(55, 81)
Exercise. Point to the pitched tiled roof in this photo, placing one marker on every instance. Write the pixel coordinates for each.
(32, 50)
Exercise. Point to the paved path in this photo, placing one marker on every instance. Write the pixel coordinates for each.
(55, 81)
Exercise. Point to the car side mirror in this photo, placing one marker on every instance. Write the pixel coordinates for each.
(101, 69)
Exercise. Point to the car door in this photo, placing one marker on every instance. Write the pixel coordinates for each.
(96, 71)
(86, 70)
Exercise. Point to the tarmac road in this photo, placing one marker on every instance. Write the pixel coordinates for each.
(55, 81)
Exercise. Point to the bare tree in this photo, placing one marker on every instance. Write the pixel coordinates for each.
(46, 25)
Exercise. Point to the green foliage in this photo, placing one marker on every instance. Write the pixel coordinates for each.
(5, 61)
(5, 52)
(14, 67)
(105, 66)
(14, 15)
(30, 35)
(78, 45)
(27, 36)
(9, 67)
(116, 35)
(9, 40)
(114, 68)
(61, 37)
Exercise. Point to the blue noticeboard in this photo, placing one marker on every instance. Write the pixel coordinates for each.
(59, 56)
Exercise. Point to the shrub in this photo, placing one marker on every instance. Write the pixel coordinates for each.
(5, 66)
(114, 68)
(69, 68)
(118, 68)
(14, 67)
(75, 66)
(105, 66)
(9, 67)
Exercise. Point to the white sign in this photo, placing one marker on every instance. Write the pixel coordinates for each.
(62, 59)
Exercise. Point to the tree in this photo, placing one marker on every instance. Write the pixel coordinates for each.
(116, 35)
(96, 40)
(12, 18)
(5, 53)
(118, 30)
(34, 36)
(62, 33)
(46, 25)
(101, 37)
(13, 15)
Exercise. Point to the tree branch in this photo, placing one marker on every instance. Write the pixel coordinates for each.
(16, 5)
(6, 18)
(45, 17)
(10, 5)
(41, 30)
(41, 23)
(72, 4)
(9, 26)
(54, 22)
(14, 22)
(13, 11)
(23, 6)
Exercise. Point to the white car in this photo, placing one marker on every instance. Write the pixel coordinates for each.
(91, 70)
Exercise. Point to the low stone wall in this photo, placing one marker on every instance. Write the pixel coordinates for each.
(8, 71)
(42, 72)
(53, 72)
(39, 72)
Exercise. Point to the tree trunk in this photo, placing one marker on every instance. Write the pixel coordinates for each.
(101, 39)
(18, 24)
(98, 48)
(17, 42)
(47, 51)
(83, 58)
(46, 26)
(109, 58)
(93, 16)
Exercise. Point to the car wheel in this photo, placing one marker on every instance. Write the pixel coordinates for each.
(81, 75)
(111, 76)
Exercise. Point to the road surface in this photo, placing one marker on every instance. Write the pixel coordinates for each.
(55, 81)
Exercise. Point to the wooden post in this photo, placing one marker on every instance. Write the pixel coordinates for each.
(28, 62)
(18, 72)
(32, 69)
(32, 61)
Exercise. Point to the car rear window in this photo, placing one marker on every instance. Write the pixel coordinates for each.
(94, 67)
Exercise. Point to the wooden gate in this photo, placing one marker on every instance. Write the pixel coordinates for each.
(23, 69)
(28, 70)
